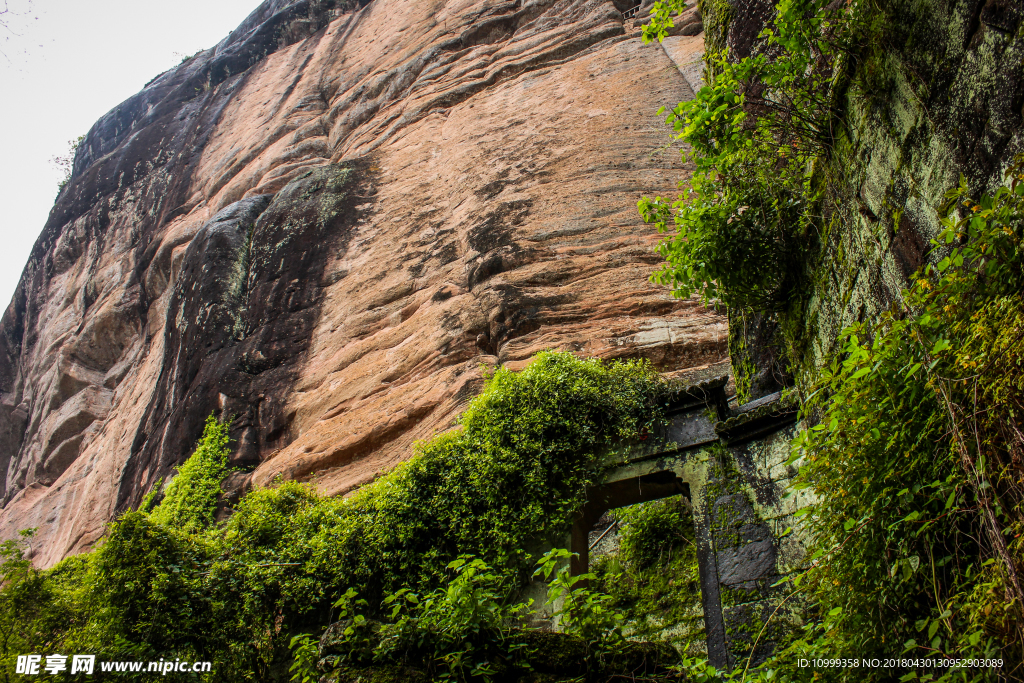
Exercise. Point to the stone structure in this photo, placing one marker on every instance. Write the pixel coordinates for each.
(731, 465)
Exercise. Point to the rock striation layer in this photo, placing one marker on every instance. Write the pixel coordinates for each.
(327, 228)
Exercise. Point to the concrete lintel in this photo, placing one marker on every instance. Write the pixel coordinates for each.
(686, 430)
(707, 394)
(757, 419)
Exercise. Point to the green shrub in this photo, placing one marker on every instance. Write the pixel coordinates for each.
(461, 631)
(585, 613)
(235, 594)
(743, 230)
(650, 531)
(916, 462)
(471, 630)
(191, 499)
(653, 577)
(147, 576)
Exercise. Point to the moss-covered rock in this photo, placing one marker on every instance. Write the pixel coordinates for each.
(650, 568)
(377, 674)
(552, 653)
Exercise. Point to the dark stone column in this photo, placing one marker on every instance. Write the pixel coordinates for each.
(714, 624)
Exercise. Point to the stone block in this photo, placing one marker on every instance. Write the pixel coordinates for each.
(746, 562)
(691, 429)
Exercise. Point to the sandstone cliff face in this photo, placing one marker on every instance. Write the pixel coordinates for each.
(326, 227)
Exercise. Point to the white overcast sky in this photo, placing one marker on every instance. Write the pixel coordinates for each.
(71, 62)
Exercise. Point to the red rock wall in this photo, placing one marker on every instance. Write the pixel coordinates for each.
(475, 170)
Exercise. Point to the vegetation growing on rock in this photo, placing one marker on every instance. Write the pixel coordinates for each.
(65, 163)
(653, 576)
(236, 593)
(913, 448)
(919, 444)
(741, 232)
(191, 499)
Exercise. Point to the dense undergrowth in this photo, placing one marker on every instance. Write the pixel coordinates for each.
(653, 577)
(916, 464)
(920, 439)
(472, 630)
(915, 453)
(169, 584)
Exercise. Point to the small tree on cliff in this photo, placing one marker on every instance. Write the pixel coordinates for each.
(754, 132)
(65, 163)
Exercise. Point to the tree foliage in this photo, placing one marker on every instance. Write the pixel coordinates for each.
(740, 232)
(170, 583)
(11, 20)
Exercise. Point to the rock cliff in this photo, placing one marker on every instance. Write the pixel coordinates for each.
(328, 227)
(935, 93)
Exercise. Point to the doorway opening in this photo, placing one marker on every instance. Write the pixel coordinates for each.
(619, 494)
(638, 538)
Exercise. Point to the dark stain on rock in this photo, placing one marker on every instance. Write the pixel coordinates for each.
(255, 340)
(908, 246)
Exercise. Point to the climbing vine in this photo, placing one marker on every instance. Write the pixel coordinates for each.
(917, 458)
(741, 231)
(915, 448)
(191, 498)
(172, 583)
(653, 576)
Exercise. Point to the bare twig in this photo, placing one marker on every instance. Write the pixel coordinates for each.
(766, 621)
(610, 527)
